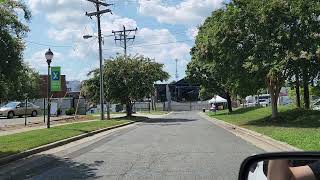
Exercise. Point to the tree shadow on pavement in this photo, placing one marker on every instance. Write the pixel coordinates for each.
(167, 120)
(155, 120)
(296, 118)
(49, 167)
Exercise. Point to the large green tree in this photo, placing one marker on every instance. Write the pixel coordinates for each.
(126, 80)
(305, 31)
(14, 74)
(267, 36)
(252, 44)
(218, 57)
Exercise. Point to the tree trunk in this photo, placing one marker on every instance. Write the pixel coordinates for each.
(306, 95)
(298, 90)
(274, 86)
(274, 102)
(129, 109)
(229, 102)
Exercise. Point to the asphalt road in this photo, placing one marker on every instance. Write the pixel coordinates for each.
(180, 146)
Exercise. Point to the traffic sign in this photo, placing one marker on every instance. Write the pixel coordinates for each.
(55, 79)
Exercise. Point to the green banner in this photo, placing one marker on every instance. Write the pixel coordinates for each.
(55, 79)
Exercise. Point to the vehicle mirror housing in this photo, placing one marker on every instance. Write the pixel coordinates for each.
(279, 165)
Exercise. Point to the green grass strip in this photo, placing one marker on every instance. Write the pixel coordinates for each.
(297, 127)
(15, 143)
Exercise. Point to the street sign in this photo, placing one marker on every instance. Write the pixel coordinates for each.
(55, 79)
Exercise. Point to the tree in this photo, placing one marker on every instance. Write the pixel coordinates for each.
(268, 36)
(126, 80)
(306, 29)
(26, 84)
(12, 30)
(217, 57)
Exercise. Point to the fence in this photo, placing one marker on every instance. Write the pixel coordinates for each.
(63, 104)
(175, 106)
(187, 106)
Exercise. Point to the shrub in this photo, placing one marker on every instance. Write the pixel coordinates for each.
(70, 111)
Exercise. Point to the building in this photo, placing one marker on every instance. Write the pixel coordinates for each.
(180, 91)
(44, 87)
(73, 88)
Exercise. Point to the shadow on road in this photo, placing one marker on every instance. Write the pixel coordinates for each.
(167, 120)
(50, 167)
(155, 120)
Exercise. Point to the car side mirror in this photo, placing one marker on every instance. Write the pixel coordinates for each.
(283, 165)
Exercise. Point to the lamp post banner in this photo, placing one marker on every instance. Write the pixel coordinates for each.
(55, 79)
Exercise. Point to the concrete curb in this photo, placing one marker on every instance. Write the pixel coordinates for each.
(14, 157)
(264, 142)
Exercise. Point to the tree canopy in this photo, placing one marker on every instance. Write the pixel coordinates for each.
(16, 78)
(254, 44)
(126, 80)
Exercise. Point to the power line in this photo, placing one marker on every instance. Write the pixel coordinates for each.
(174, 42)
(124, 38)
(48, 45)
(142, 45)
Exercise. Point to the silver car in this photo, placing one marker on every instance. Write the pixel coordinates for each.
(19, 109)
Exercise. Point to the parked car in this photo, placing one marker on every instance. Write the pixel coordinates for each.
(19, 109)
(264, 102)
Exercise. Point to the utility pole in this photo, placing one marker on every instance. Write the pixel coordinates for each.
(123, 37)
(177, 75)
(98, 14)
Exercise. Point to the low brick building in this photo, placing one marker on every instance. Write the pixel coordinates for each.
(44, 87)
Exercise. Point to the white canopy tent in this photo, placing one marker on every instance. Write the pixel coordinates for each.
(217, 99)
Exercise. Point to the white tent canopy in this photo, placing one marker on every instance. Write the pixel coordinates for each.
(217, 99)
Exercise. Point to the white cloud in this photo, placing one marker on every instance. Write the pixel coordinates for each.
(67, 25)
(162, 45)
(190, 12)
(192, 32)
(37, 60)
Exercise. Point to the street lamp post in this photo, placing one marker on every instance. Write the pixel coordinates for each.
(49, 57)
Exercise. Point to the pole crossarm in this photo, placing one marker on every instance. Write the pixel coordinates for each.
(101, 67)
(123, 37)
(100, 3)
(98, 12)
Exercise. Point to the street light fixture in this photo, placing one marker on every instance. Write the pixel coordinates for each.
(49, 57)
(87, 36)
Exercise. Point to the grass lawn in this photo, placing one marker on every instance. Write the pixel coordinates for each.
(298, 127)
(19, 142)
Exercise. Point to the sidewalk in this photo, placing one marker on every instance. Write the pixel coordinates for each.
(62, 120)
(55, 121)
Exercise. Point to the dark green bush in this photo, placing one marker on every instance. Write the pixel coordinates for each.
(70, 111)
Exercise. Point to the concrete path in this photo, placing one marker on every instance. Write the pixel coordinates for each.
(30, 120)
(178, 146)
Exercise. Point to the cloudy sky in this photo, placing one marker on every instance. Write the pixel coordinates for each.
(166, 32)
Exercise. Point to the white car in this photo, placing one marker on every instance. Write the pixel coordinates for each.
(264, 102)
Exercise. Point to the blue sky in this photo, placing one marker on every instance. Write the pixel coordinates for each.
(166, 32)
